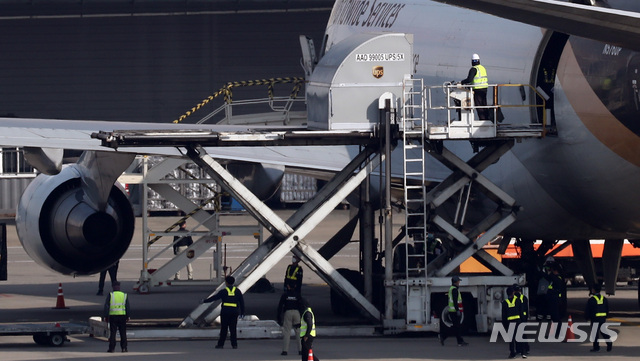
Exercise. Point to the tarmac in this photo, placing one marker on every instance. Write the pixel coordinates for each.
(30, 295)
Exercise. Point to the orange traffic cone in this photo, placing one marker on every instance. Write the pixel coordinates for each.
(60, 299)
(570, 335)
(310, 358)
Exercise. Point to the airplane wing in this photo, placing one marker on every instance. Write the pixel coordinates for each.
(612, 26)
(76, 134)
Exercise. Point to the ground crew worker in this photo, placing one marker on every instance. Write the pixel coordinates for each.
(434, 247)
(181, 244)
(232, 309)
(597, 312)
(541, 295)
(116, 312)
(307, 330)
(479, 82)
(511, 315)
(455, 309)
(555, 292)
(293, 275)
(289, 317)
(524, 314)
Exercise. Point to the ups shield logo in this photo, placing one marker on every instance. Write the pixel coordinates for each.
(378, 72)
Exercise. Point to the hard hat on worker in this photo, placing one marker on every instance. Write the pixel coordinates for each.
(455, 279)
(475, 59)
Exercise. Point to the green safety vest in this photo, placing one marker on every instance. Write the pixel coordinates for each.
(599, 307)
(231, 292)
(118, 303)
(452, 306)
(512, 309)
(480, 81)
(303, 323)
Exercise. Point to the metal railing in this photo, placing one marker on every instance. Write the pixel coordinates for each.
(13, 164)
(281, 106)
(453, 101)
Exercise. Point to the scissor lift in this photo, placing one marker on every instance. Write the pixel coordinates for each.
(428, 123)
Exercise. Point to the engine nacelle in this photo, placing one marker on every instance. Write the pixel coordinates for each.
(63, 232)
(262, 179)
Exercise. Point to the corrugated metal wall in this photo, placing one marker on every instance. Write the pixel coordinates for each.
(10, 191)
(143, 68)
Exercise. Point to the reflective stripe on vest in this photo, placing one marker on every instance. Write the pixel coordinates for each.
(600, 302)
(551, 287)
(524, 310)
(118, 303)
(452, 306)
(512, 305)
(293, 275)
(303, 323)
(480, 81)
(231, 292)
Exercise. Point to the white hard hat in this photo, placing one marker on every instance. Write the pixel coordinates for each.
(475, 57)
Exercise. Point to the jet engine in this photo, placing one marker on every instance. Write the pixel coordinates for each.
(62, 229)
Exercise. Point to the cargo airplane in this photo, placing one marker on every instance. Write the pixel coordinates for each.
(580, 182)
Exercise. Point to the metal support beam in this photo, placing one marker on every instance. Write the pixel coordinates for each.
(492, 263)
(244, 196)
(479, 243)
(293, 231)
(471, 170)
(367, 237)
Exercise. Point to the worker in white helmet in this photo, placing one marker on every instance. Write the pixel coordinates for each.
(479, 82)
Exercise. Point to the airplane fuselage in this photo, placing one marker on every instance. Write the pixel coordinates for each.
(579, 182)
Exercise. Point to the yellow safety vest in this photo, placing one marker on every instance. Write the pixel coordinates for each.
(292, 276)
(480, 81)
(452, 306)
(511, 305)
(524, 309)
(551, 287)
(118, 303)
(303, 323)
(231, 292)
(600, 302)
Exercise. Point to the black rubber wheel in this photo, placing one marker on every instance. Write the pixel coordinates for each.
(57, 339)
(446, 321)
(41, 339)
